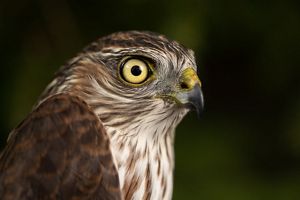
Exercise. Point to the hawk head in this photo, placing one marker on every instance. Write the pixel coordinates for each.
(133, 77)
(141, 85)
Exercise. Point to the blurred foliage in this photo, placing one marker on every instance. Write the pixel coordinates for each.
(247, 143)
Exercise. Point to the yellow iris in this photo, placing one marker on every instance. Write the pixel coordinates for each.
(135, 71)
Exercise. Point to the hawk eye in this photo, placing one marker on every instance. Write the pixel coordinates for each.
(134, 71)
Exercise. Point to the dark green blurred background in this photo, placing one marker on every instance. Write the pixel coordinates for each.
(247, 144)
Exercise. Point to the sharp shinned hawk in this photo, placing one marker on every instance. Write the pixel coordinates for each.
(104, 127)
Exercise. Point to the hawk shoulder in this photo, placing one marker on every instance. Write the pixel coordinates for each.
(60, 151)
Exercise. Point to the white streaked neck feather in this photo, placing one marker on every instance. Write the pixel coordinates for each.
(150, 144)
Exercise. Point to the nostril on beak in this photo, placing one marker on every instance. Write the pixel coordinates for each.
(183, 85)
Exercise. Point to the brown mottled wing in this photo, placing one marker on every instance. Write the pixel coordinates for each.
(61, 151)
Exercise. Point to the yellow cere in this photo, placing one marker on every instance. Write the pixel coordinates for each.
(190, 78)
(135, 71)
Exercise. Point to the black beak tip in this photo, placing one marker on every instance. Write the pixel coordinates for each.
(200, 112)
(199, 108)
(196, 102)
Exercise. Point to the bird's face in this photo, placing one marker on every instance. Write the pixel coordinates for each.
(155, 76)
(151, 68)
(143, 77)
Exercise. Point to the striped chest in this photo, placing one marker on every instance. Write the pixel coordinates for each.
(145, 165)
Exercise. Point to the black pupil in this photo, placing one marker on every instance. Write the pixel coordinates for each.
(136, 70)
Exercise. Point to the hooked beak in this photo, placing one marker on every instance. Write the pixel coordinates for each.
(190, 93)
